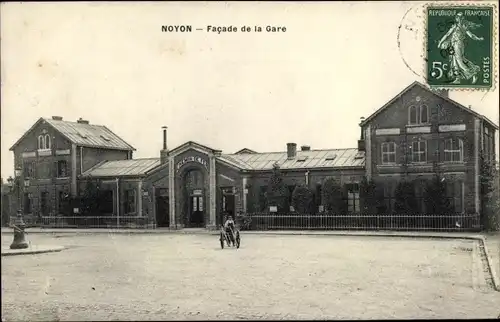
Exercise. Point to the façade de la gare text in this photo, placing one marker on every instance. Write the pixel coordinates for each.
(222, 29)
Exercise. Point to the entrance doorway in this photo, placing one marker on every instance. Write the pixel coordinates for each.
(228, 203)
(162, 211)
(196, 212)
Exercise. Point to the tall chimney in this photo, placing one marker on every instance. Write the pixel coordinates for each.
(164, 151)
(164, 128)
(291, 150)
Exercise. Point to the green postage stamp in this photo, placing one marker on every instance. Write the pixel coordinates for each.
(460, 46)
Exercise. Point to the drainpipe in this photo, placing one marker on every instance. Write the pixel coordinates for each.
(117, 202)
(307, 178)
(81, 159)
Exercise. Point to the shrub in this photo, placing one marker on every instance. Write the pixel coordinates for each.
(333, 197)
(368, 197)
(277, 191)
(405, 202)
(301, 199)
(436, 200)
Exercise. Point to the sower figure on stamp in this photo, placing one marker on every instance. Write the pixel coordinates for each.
(454, 42)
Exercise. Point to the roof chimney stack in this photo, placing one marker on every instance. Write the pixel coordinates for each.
(305, 148)
(291, 150)
(82, 121)
(57, 118)
(164, 151)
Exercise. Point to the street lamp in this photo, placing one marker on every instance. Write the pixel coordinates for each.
(19, 241)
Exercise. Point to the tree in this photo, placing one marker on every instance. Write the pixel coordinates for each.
(277, 191)
(301, 199)
(89, 204)
(333, 197)
(436, 200)
(490, 195)
(368, 197)
(405, 202)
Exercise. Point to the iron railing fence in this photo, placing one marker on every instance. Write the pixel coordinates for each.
(29, 221)
(461, 222)
(96, 222)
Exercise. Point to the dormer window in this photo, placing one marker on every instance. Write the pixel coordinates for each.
(44, 142)
(418, 114)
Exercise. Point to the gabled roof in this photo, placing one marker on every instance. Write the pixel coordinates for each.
(82, 134)
(416, 83)
(332, 158)
(122, 168)
(195, 145)
(245, 151)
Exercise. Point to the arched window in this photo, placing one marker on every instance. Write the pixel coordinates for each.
(424, 114)
(418, 114)
(47, 142)
(413, 115)
(41, 142)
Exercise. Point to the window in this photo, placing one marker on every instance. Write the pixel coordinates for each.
(44, 203)
(62, 169)
(453, 150)
(27, 203)
(262, 198)
(41, 142)
(29, 169)
(488, 150)
(44, 142)
(63, 200)
(130, 201)
(418, 114)
(388, 153)
(45, 169)
(424, 114)
(419, 151)
(317, 196)
(352, 198)
(200, 203)
(454, 194)
(195, 204)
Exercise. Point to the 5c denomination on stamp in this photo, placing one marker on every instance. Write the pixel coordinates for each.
(460, 46)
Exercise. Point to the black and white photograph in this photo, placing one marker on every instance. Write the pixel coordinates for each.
(258, 160)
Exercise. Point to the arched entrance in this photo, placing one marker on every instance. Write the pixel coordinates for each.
(194, 197)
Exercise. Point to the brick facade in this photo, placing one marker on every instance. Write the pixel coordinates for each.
(193, 184)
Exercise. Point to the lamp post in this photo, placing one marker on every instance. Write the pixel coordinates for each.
(19, 241)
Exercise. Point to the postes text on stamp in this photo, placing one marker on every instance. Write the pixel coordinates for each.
(460, 46)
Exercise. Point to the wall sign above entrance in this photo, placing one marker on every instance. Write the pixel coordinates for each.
(187, 160)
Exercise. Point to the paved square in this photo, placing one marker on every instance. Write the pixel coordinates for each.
(170, 276)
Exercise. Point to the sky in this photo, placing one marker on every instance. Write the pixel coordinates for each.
(110, 63)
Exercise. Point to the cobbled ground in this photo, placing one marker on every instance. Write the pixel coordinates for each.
(180, 277)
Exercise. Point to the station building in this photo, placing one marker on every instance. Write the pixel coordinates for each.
(412, 136)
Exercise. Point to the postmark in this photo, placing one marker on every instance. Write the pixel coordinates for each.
(460, 46)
